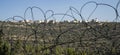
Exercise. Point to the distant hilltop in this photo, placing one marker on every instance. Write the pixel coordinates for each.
(53, 21)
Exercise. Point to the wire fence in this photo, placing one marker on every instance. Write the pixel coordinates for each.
(63, 37)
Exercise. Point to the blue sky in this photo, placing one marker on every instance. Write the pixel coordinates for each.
(9, 8)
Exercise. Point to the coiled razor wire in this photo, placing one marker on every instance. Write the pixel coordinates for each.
(41, 32)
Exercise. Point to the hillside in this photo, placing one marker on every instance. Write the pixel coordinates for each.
(82, 37)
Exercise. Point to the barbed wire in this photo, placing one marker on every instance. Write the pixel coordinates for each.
(61, 34)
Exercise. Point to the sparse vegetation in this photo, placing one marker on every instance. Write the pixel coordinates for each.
(77, 40)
